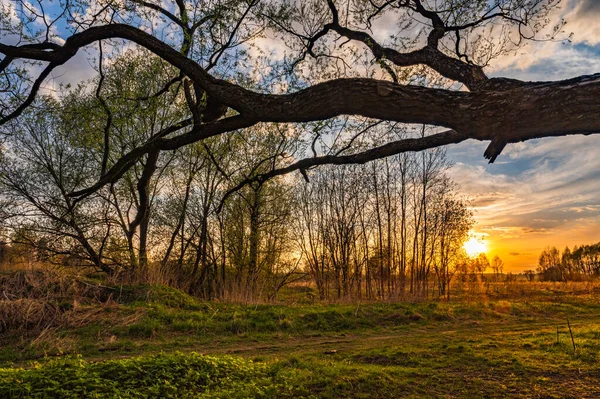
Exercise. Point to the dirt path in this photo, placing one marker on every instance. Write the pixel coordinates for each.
(411, 335)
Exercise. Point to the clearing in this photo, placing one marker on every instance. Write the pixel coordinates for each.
(152, 341)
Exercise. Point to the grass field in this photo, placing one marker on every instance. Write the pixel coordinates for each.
(158, 342)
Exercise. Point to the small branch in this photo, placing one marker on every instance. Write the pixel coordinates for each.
(32, 94)
(159, 143)
(571, 332)
(393, 148)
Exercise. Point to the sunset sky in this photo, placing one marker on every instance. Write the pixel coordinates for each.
(543, 192)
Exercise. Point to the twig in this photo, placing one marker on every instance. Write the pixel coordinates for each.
(96, 285)
(571, 332)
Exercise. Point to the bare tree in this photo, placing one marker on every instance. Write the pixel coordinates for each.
(36, 177)
(351, 228)
(497, 267)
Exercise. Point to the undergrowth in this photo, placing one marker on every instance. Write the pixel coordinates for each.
(492, 347)
(162, 376)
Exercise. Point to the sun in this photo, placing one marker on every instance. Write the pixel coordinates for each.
(475, 246)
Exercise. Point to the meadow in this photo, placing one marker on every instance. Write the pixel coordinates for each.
(61, 337)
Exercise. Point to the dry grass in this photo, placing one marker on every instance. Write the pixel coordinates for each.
(26, 314)
(529, 291)
(50, 285)
(38, 302)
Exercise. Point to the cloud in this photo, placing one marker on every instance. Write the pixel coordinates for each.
(540, 173)
(583, 19)
(269, 45)
(558, 59)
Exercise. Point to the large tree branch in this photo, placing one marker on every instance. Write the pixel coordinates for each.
(455, 69)
(471, 76)
(507, 111)
(452, 68)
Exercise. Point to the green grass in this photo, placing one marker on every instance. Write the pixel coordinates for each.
(148, 345)
(162, 376)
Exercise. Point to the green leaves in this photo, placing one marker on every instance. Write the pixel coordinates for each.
(162, 376)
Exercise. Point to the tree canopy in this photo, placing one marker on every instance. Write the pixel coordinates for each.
(348, 70)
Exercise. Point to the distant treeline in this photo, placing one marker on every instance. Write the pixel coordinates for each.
(580, 263)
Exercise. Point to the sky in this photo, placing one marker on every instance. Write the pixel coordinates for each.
(542, 192)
